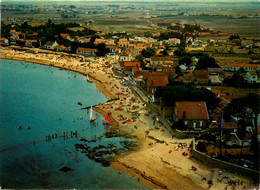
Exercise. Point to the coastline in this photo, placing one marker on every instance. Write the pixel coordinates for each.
(153, 164)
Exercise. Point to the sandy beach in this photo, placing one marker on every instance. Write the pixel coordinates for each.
(159, 162)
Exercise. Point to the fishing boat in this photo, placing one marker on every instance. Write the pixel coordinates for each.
(91, 115)
(107, 120)
(89, 80)
(20, 127)
(29, 127)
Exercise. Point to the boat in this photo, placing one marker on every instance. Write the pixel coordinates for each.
(20, 127)
(92, 119)
(29, 127)
(107, 120)
(79, 103)
(89, 80)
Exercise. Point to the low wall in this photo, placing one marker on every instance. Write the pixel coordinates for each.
(215, 163)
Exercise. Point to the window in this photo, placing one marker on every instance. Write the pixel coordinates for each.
(185, 122)
(201, 123)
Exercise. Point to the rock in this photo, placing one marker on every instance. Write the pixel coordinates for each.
(65, 169)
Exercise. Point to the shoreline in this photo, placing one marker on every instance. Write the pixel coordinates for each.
(158, 165)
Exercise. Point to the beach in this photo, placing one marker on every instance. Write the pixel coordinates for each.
(159, 162)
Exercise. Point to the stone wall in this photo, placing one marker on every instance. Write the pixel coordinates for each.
(215, 163)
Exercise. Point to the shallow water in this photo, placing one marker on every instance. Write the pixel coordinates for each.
(46, 98)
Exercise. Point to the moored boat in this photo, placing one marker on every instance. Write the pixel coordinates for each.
(92, 119)
(107, 120)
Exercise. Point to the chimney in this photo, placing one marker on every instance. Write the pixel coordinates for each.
(184, 114)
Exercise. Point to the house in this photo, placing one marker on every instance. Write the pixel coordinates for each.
(194, 114)
(86, 51)
(84, 40)
(173, 41)
(13, 33)
(202, 76)
(4, 41)
(99, 41)
(60, 48)
(247, 43)
(237, 66)
(30, 43)
(110, 42)
(214, 79)
(50, 45)
(166, 70)
(125, 56)
(129, 65)
(153, 80)
(65, 36)
(112, 48)
(253, 77)
(123, 43)
(157, 61)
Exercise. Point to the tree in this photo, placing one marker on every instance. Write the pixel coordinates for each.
(205, 62)
(185, 60)
(102, 50)
(233, 37)
(149, 52)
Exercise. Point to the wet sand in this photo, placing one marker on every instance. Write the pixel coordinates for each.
(157, 162)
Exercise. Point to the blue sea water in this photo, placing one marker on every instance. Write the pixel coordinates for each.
(46, 98)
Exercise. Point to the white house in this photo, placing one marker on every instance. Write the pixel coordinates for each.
(252, 77)
(87, 51)
(50, 45)
(237, 66)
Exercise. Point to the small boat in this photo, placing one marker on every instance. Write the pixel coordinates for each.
(89, 80)
(29, 127)
(107, 120)
(79, 103)
(20, 127)
(92, 119)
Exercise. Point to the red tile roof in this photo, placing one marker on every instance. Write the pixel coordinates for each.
(161, 59)
(2, 39)
(35, 34)
(60, 47)
(132, 63)
(135, 69)
(157, 80)
(64, 35)
(86, 49)
(127, 53)
(239, 65)
(191, 110)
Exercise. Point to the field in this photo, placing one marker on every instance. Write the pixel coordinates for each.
(240, 18)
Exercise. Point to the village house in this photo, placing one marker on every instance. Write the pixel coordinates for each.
(237, 66)
(202, 76)
(110, 42)
(60, 48)
(86, 51)
(126, 56)
(4, 41)
(247, 43)
(65, 36)
(127, 66)
(159, 61)
(112, 48)
(123, 43)
(173, 41)
(99, 41)
(30, 43)
(50, 45)
(152, 80)
(252, 77)
(193, 114)
(84, 40)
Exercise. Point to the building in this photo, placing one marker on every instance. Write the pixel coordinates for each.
(128, 66)
(60, 48)
(4, 41)
(173, 41)
(50, 45)
(246, 43)
(236, 66)
(65, 36)
(152, 80)
(202, 76)
(30, 43)
(87, 51)
(252, 77)
(159, 61)
(125, 56)
(193, 114)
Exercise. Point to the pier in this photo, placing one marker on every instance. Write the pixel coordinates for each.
(47, 139)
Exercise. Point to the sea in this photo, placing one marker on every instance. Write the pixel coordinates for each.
(46, 99)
